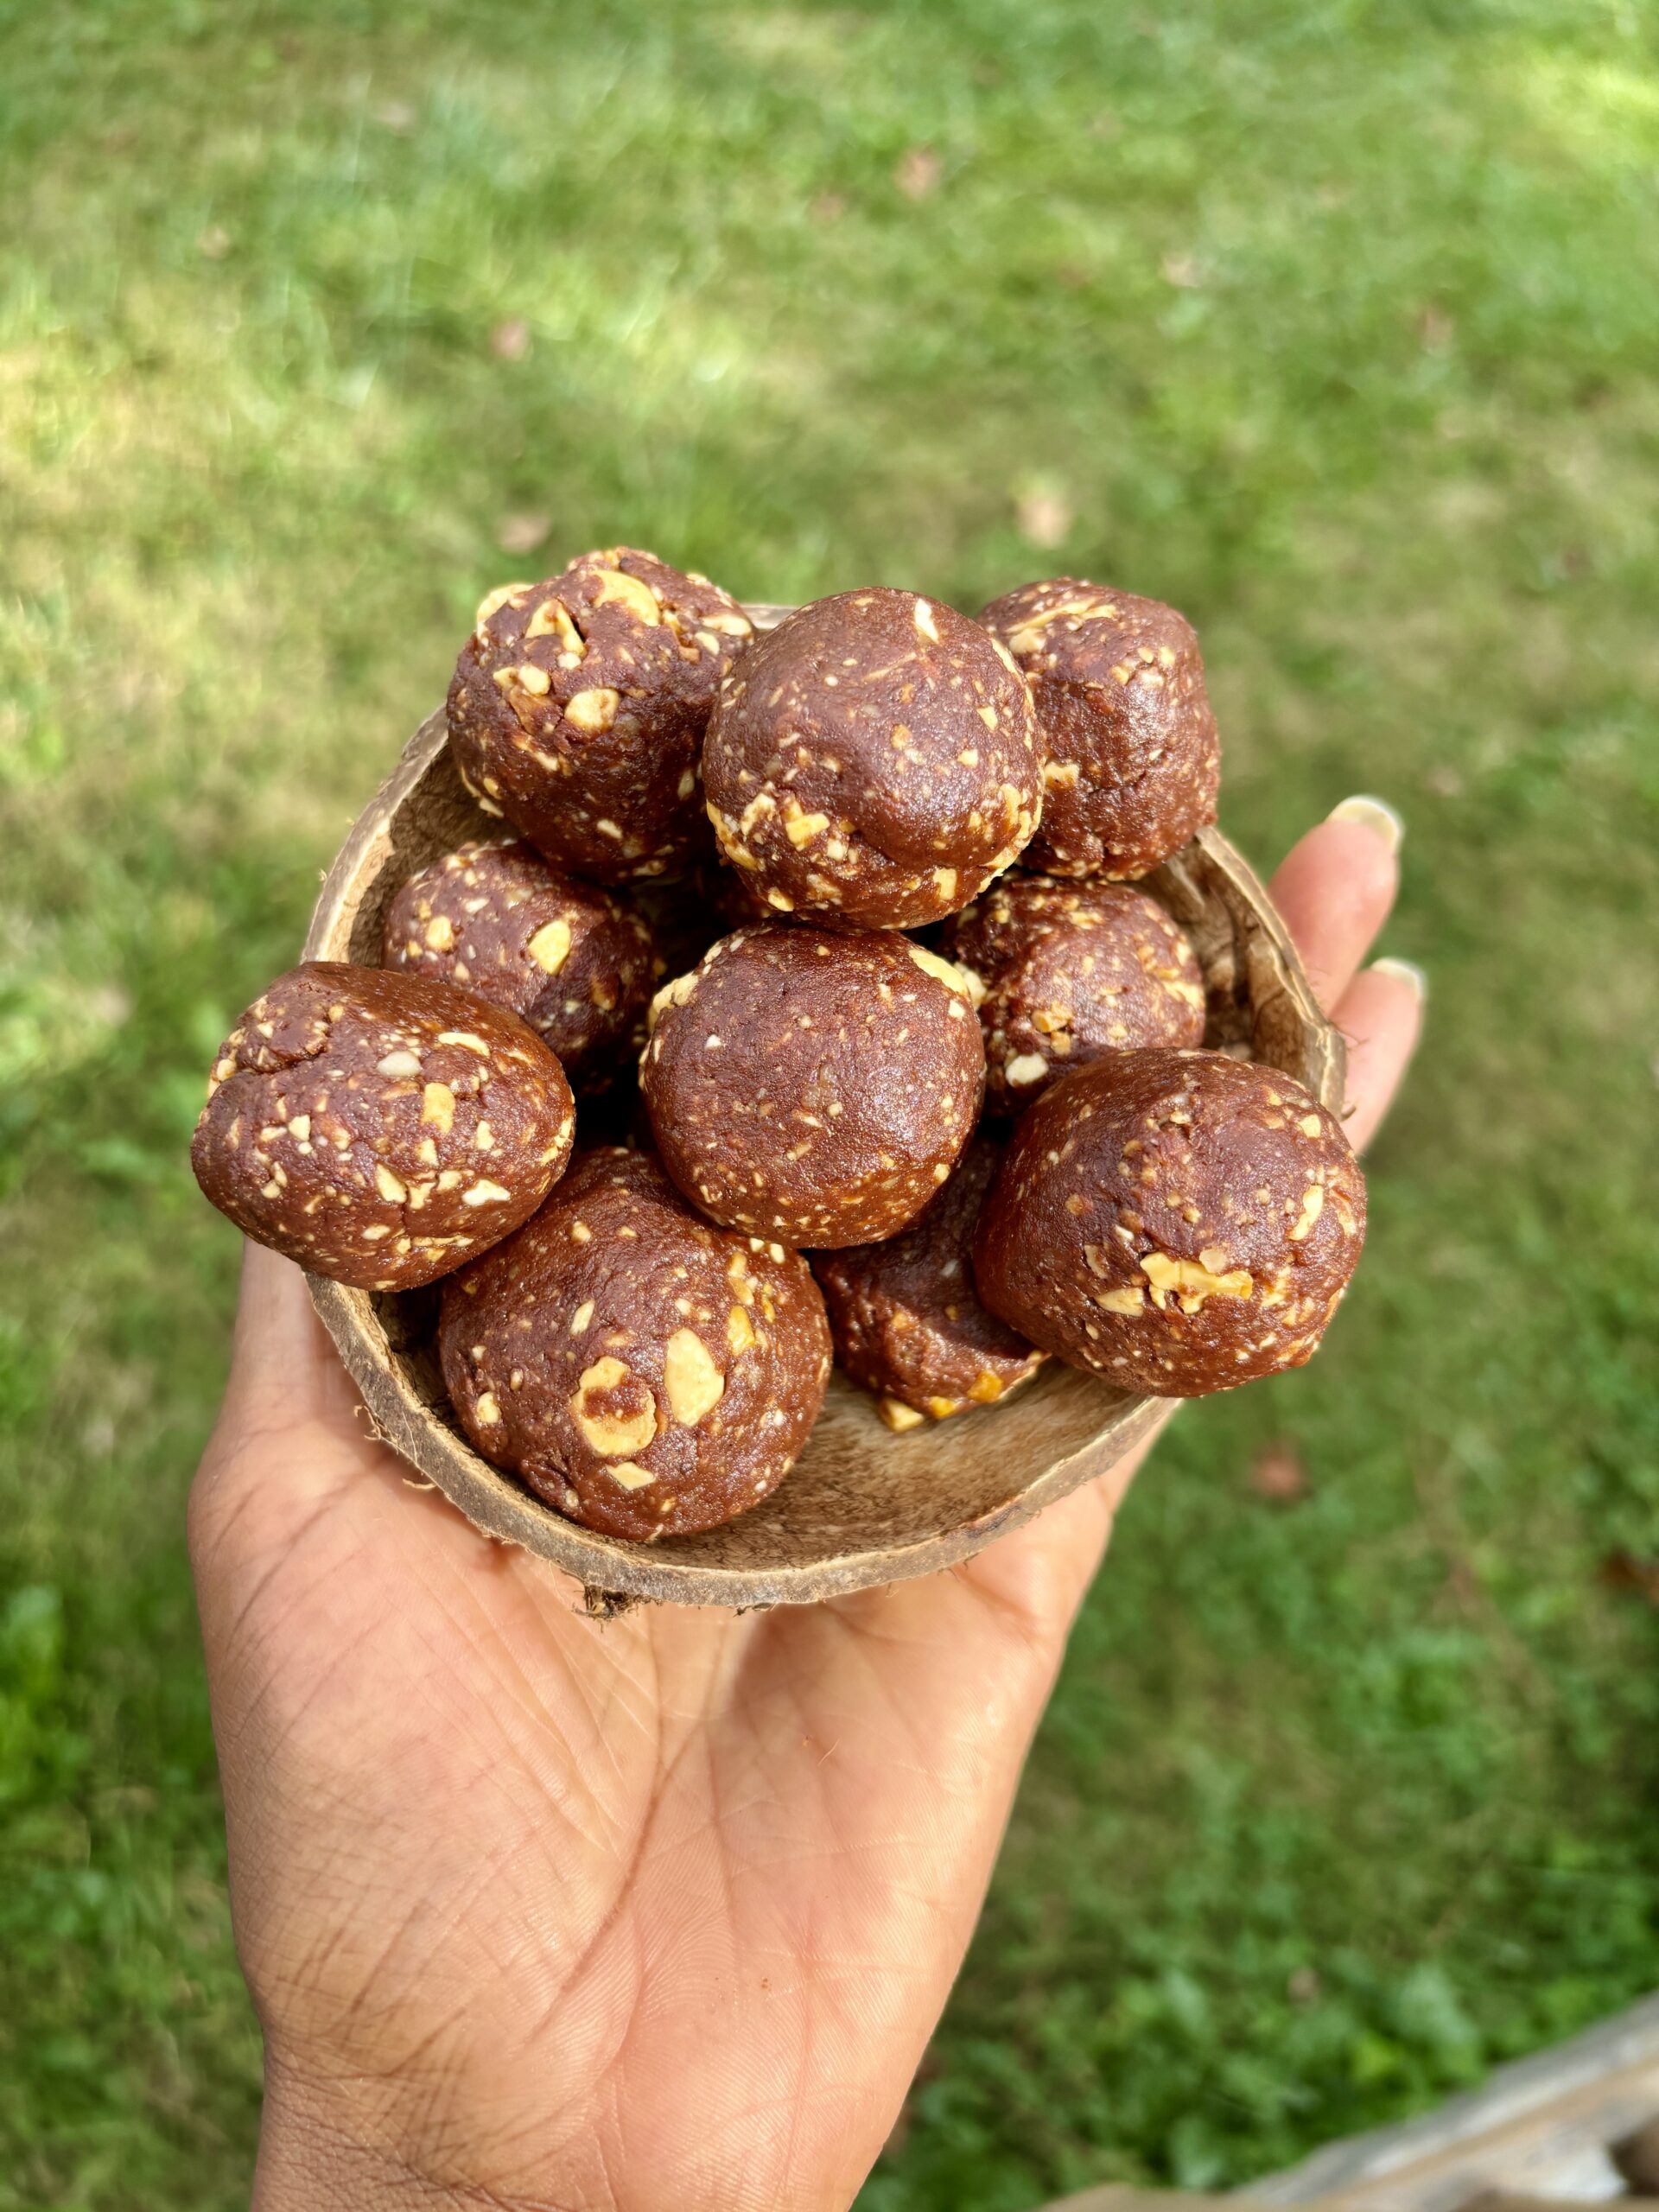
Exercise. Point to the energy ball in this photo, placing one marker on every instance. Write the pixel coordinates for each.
(643, 1371)
(1071, 970)
(1177, 1222)
(378, 1127)
(873, 762)
(566, 957)
(813, 1087)
(579, 705)
(906, 1319)
(1134, 764)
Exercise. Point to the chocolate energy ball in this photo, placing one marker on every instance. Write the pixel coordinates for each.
(907, 1320)
(579, 705)
(813, 1086)
(1176, 1222)
(872, 762)
(1134, 764)
(567, 958)
(640, 1369)
(1071, 970)
(378, 1127)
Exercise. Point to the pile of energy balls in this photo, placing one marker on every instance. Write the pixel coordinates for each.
(925, 1095)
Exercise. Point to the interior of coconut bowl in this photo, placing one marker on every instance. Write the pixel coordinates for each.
(861, 1505)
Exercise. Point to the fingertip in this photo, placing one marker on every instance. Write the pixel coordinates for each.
(1334, 890)
(281, 1348)
(1406, 972)
(1381, 1016)
(272, 1302)
(1385, 823)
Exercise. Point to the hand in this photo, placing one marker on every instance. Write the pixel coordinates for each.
(540, 1912)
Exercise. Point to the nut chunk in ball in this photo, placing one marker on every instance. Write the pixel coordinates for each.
(380, 1128)
(579, 705)
(1134, 764)
(641, 1370)
(906, 1319)
(811, 1086)
(1071, 970)
(567, 958)
(872, 762)
(1175, 1221)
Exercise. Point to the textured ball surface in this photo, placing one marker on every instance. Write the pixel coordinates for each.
(813, 1086)
(873, 762)
(1134, 764)
(380, 1128)
(567, 958)
(1177, 1222)
(1071, 970)
(641, 1370)
(906, 1319)
(578, 709)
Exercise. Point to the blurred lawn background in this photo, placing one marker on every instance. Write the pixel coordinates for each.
(1332, 322)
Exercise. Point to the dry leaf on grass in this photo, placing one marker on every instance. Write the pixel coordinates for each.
(1044, 518)
(1622, 1571)
(1279, 1476)
(521, 533)
(917, 173)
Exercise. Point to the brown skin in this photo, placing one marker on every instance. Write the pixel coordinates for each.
(643, 1371)
(873, 762)
(498, 1873)
(578, 709)
(1071, 970)
(568, 959)
(1174, 1222)
(1133, 763)
(380, 1128)
(907, 1322)
(844, 1079)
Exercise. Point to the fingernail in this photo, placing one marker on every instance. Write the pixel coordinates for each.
(1373, 814)
(1405, 972)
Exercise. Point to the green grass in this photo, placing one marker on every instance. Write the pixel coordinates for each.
(1334, 322)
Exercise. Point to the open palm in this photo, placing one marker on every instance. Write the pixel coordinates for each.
(658, 1912)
